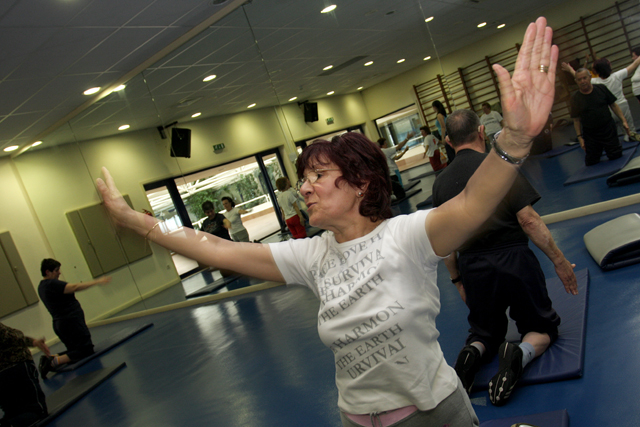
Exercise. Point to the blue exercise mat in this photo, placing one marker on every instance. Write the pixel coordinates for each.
(556, 151)
(564, 359)
(425, 203)
(604, 168)
(106, 345)
(423, 175)
(546, 419)
(218, 284)
(407, 195)
(61, 399)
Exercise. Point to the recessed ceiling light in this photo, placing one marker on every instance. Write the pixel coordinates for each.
(293, 99)
(426, 58)
(252, 105)
(91, 91)
(196, 114)
(501, 25)
(12, 148)
(330, 93)
(482, 24)
(366, 64)
(35, 144)
(429, 19)
(118, 88)
(328, 9)
(328, 67)
(400, 61)
(209, 78)
(124, 127)
(360, 88)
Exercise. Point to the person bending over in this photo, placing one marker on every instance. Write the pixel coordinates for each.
(389, 305)
(432, 149)
(68, 317)
(495, 268)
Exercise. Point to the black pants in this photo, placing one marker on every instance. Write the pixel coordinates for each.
(509, 276)
(21, 397)
(606, 139)
(75, 336)
(396, 188)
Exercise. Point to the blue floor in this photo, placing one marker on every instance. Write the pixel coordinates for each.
(257, 360)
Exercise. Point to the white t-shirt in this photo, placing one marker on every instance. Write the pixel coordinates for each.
(635, 82)
(614, 84)
(491, 122)
(234, 218)
(390, 153)
(378, 305)
(286, 199)
(431, 144)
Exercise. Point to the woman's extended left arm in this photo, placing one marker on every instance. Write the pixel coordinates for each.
(527, 98)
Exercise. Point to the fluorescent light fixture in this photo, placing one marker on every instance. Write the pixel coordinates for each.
(330, 93)
(328, 67)
(426, 58)
(35, 144)
(328, 9)
(196, 115)
(360, 88)
(124, 127)
(91, 91)
(209, 78)
(429, 19)
(12, 148)
(252, 105)
(501, 25)
(293, 99)
(482, 24)
(366, 64)
(119, 88)
(400, 61)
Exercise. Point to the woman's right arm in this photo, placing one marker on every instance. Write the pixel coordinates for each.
(197, 245)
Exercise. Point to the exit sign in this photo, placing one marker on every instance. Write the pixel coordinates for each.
(218, 147)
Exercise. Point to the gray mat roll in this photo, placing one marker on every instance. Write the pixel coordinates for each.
(615, 243)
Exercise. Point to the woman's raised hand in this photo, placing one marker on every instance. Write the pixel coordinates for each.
(527, 96)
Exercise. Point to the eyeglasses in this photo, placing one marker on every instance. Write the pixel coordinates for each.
(312, 177)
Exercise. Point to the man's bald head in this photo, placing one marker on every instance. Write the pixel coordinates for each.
(462, 127)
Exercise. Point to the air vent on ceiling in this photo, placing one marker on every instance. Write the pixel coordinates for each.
(342, 66)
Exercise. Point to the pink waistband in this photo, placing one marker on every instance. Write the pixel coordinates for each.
(387, 418)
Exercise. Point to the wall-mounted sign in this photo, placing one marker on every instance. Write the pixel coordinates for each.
(218, 148)
(330, 121)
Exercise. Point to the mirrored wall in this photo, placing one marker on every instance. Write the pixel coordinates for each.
(240, 88)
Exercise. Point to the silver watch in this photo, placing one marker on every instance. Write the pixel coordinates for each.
(503, 154)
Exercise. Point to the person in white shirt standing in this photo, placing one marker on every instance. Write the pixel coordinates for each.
(237, 231)
(492, 121)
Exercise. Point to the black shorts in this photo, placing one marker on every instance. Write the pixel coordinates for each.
(509, 276)
(21, 397)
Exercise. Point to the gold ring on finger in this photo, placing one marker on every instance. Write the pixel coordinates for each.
(544, 68)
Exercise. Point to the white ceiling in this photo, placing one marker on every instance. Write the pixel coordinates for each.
(265, 51)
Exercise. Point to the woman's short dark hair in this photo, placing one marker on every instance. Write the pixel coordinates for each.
(382, 141)
(207, 206)
(48, 264)
(361, 162)
(636, 50)
(233, 204)
(439, 107)
(602, 67)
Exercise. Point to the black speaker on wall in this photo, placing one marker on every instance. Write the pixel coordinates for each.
(310, 111)
(180, 142)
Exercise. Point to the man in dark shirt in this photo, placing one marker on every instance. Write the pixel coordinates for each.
(67, 314)
(592, 121)
(21, 398)
(495, 269)
(216, 223)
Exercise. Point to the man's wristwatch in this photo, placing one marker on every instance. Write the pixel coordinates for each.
(456, 280)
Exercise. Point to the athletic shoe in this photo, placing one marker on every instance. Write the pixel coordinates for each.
(44, 367)
(501, 385)
(467, 366)
(634, 136)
